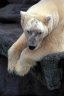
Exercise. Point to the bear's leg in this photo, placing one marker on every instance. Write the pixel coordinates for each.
(24, 64)
(15, 51)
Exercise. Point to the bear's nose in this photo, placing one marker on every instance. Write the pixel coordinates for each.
(31, 47)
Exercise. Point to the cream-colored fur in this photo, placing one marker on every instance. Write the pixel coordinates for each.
(20, 57)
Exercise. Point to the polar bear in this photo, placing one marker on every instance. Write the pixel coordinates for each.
(43, 34)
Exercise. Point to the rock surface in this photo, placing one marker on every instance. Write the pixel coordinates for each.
(23, 1)
(3, 3)
(11, 13)
(13, 85)
(9, 33)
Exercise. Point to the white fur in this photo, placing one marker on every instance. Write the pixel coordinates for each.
(20, 58)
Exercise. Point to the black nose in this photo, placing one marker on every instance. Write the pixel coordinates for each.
(31, 47)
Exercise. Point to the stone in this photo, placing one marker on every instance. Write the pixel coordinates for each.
(9, 33)
(31, 84)
(22, 1)
(11, 12)
(3, 3)
(15, 1)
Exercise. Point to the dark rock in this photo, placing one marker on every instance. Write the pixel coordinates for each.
(52, 71)
(15, 1)
(23, 1)
(9, 33)
(11, 13)
(32, 84)
(3, 3)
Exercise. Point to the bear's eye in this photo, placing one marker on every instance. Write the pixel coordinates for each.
(39, 33)
(28, 31)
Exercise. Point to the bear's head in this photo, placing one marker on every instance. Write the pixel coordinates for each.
(35, 28)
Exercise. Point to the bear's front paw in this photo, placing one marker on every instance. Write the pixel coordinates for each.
(22, 70)
(10, 68)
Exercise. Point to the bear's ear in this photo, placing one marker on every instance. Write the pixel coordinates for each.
(47, 19)
(23, 14)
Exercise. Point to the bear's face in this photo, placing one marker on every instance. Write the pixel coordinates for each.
(35, 29)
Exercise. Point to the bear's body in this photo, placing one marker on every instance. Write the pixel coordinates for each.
(20, 57)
